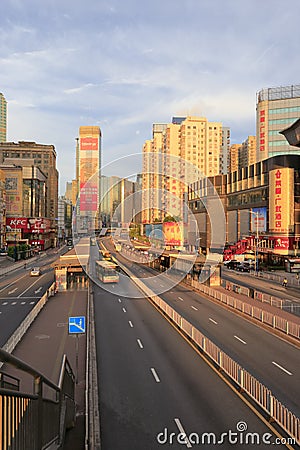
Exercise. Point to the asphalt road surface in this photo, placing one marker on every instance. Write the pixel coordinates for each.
(153, 384)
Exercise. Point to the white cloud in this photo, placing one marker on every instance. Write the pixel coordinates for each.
(124, 67)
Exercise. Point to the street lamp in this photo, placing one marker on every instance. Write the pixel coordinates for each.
(257, 239)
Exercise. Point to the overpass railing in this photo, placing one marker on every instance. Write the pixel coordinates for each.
(36, 420)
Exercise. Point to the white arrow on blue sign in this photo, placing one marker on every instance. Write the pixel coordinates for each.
(76, 325)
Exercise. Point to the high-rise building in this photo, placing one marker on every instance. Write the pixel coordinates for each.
(3, 120)
(177, 152)
(44, 157)
(88, 174)
(234, 157)
(276, 109)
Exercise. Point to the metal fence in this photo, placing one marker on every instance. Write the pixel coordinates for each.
(286, 326)
(36, 420)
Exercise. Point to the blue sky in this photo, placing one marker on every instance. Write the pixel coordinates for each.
(126, 64)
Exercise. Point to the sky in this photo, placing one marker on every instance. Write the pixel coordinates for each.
(126, 64)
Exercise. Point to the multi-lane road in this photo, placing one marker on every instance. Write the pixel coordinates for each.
(273, 361)
(151, 379)
(153, 386)
(19, 293)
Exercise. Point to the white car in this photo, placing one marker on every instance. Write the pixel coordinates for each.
(35, 272)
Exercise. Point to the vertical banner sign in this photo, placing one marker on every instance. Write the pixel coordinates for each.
(281, 200)
(88, 167)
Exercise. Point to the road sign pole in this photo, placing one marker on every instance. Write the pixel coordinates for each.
(77, 353)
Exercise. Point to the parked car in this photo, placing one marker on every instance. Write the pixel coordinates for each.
(3, 252)
(231, 264)
(243, 267)
(35, 272)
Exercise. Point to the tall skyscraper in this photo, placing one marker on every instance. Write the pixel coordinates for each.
(3, 119)
(88, 173)
(185, 148)
(276, 109)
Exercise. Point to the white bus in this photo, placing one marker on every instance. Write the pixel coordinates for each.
(106, 271)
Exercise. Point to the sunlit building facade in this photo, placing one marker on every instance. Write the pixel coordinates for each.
(177, 153)
(261, 202)
(44, 158)
(88, 173)
(276, 109)
(3, 118)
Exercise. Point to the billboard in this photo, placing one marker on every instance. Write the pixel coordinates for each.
(281, 200)
(14, 189)
(173, 233)
(259, 220)
(88, 169)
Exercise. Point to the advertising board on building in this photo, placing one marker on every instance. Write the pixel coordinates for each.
(259, 220)
(281, 200)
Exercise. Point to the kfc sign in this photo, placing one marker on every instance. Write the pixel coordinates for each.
(39, 225)
(19, 223)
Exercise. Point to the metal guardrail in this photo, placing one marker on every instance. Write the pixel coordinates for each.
(36, 420)
(288, 421)
(284, 304)
(286, 326)
(92, 423)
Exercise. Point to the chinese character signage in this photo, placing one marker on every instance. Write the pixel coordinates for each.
(281, 200)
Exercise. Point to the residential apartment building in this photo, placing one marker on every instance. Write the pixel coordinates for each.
(3, 118)
(178, 153)
(242, 155)
(276, 109)
(117, 203)
(234, 157)
(44, 158)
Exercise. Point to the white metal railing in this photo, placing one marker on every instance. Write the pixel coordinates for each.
(286, 326)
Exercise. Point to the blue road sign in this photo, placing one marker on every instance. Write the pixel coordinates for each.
(76, 325)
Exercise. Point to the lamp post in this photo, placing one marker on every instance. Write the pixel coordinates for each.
(257, 238)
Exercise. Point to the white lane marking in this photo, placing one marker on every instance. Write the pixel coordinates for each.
(181, 429)
(5, 303)
(130, 323)
(14, 303)
(5, 287)
(140, 343)
(155, 375)
(194, 308)
(38, 290)
(124, 309)
(23, 303)
(11, 292)
(213, 321)
(29, 287)
(239, 339)
(180, 298)
(282, 368)
(32, 303)
(119, 300)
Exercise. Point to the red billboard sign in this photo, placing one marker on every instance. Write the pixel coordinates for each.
(17, 223)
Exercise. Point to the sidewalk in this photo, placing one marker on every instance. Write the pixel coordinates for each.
(43, 347)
